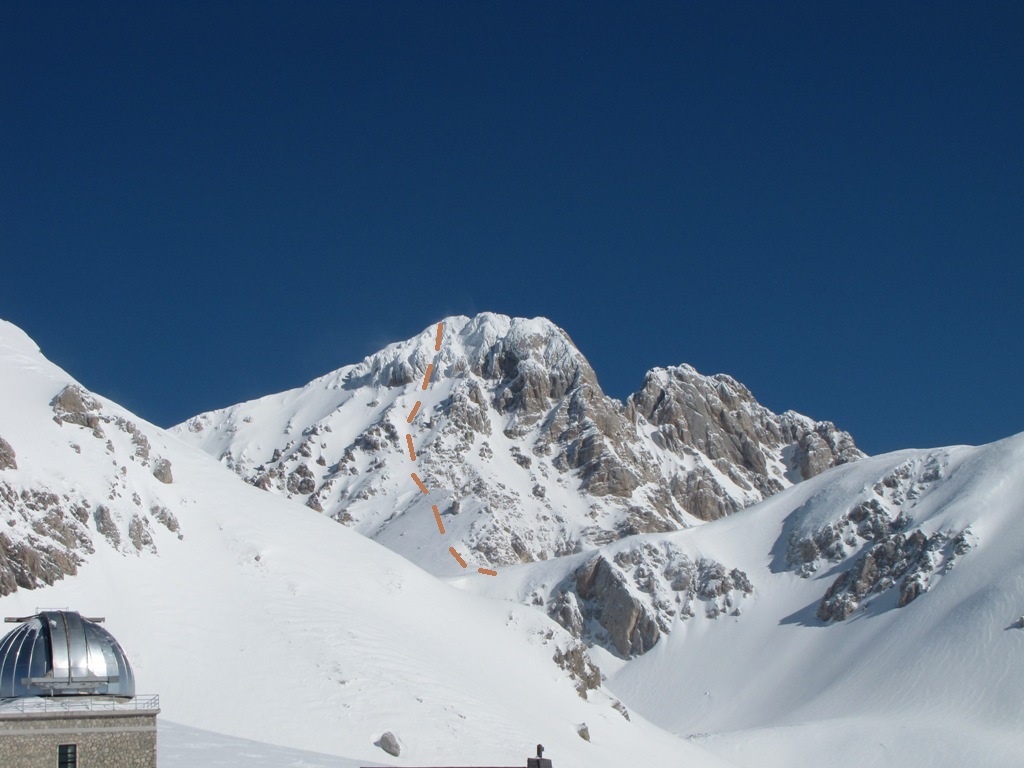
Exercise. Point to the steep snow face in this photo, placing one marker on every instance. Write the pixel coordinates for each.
(524, 455)
(256, 618)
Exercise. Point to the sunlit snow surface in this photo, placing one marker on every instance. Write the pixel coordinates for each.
(275, 636)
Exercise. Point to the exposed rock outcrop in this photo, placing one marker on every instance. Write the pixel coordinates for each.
(910, 562)
(73, 405)
(577, 662)
(162, 471)
(629, 622)
(167, 519)
(54, 545)
(887, 552)
(749, 447)
(106, 526)
(7, 456)
(139, 534)
(637, 595)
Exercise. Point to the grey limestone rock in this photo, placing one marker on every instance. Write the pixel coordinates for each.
(908, 562)
(301, 481)
(7, 456)
(73, 405)
(577, 662)
(628, 620)
(389, 744)
(53, 547)
(106, 527)
(718, 417)
(636, 596)
(162, 471)
(33, 563)
(165, 517)
(139, 534)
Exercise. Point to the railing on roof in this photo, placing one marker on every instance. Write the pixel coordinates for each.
(44, 704)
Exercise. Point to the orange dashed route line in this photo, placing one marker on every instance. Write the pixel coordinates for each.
(415, 410)
(412, 455)
(419, 483)
(457, 556)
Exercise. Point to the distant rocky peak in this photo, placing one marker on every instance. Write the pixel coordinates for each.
(493, 347)
(526, 454)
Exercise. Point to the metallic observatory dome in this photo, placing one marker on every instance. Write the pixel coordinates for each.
(60, 653)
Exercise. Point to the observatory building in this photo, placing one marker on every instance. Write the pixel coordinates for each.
(67, 697)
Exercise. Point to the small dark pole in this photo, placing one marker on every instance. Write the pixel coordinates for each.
(539, 761)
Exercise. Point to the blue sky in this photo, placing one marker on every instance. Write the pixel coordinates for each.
(202, 203)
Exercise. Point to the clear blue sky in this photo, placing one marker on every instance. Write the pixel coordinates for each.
(202, 203)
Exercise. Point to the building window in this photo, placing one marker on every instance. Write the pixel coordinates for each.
(67, 756)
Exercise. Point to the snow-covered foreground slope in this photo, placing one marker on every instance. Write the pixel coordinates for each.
(269, 622)
(938, 681)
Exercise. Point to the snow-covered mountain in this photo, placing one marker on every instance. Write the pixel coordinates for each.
(527, 458)
(868, 614)
(257, 618)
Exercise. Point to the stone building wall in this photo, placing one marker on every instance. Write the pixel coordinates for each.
(110, 740)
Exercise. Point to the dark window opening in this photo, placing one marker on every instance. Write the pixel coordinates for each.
(67, 756)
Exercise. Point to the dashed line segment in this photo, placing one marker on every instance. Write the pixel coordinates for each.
(412, 455)
(412, 414)
(458, 557)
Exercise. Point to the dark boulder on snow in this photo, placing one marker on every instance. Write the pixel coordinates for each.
(389, 743)
(162, 471)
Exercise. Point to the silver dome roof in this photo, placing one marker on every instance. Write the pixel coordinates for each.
(60, 653)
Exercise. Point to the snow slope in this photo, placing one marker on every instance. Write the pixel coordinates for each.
(267, 621)
(935, 682)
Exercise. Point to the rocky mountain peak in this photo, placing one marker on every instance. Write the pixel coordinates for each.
(522, 451)
(490, 346)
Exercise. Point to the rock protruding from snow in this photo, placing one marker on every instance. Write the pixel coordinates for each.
(877, 535)
(7, 456)
(734, 441)
(638, 594)
(73, 405)
(575, 660)
(53, 545)
(629, 622)
(162, 471)
(389, 744)
(910, 562)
